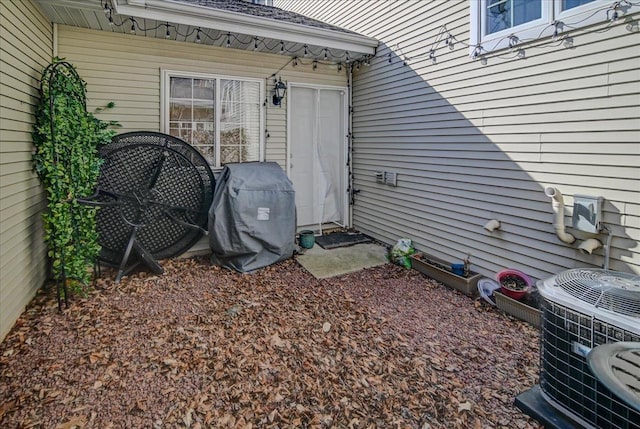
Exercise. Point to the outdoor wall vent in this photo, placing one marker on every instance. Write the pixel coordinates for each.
(387, 178)
(391, 179)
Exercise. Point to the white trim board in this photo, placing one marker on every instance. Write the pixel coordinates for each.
(234, 22)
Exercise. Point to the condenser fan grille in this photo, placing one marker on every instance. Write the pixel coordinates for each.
(614, 291)
(565, 377)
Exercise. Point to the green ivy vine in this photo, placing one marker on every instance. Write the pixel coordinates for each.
(66, 139)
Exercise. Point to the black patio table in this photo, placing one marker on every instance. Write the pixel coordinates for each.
(154, 193)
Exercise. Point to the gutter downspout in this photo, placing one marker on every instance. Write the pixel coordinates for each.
(351, 191)
(54, 41)
(557, 202)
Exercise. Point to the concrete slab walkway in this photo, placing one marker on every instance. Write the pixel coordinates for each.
(324, 263)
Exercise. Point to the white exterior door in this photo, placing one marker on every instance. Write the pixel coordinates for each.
(317, 154)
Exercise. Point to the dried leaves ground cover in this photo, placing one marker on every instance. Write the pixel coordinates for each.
(201, 346)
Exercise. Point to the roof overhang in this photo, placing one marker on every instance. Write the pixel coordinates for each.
(234, 22)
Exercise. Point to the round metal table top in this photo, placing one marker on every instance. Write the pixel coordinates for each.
(157, 184)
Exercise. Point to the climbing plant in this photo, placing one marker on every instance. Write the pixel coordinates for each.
(66, 160)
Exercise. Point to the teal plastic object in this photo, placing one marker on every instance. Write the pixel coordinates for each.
(307, 239)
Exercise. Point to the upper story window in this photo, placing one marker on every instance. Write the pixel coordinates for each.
(505, 14)
(263, 2)
(219, 116)
(496, 24)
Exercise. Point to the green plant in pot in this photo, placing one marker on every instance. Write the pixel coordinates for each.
(66, 139)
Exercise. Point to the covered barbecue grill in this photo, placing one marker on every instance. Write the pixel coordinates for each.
(252, 220)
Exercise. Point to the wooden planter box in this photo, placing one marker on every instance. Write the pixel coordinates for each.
(518, 309)
(440, 270)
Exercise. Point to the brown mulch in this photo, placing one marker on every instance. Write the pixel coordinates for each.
(203, 347)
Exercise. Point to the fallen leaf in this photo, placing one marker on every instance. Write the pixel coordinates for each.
(276, 341)
(76, 422)
(465, 406)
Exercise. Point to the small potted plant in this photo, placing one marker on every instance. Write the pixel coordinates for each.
(513, 283)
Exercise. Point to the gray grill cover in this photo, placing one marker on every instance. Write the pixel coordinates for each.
(252, 220)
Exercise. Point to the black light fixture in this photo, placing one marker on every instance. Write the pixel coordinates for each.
(279, 90)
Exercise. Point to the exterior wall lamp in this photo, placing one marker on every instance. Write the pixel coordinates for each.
(279, 90)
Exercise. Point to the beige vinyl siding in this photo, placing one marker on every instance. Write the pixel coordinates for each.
(472, 142)
(125, 69)
(25, 49)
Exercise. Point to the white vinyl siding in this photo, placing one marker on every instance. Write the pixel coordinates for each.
(472, 142)
(126, 69)
(25, 49)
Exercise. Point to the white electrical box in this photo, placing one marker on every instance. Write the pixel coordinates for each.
(587, 213)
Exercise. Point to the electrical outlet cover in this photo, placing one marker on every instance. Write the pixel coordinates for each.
(587, 213)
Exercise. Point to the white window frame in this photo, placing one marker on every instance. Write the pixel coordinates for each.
(165, 80)
(580, 16)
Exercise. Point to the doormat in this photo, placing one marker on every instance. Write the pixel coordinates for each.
(341, 239)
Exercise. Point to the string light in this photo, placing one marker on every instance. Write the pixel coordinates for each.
(449, 42)
(613, 13)
(556, 29)
(315, 65)
(201, 36)
(476, 52)
(432, 56)
(295, 61)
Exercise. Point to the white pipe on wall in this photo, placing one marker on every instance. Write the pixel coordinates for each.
(588, 246)
(492, 225)
(557, 202)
